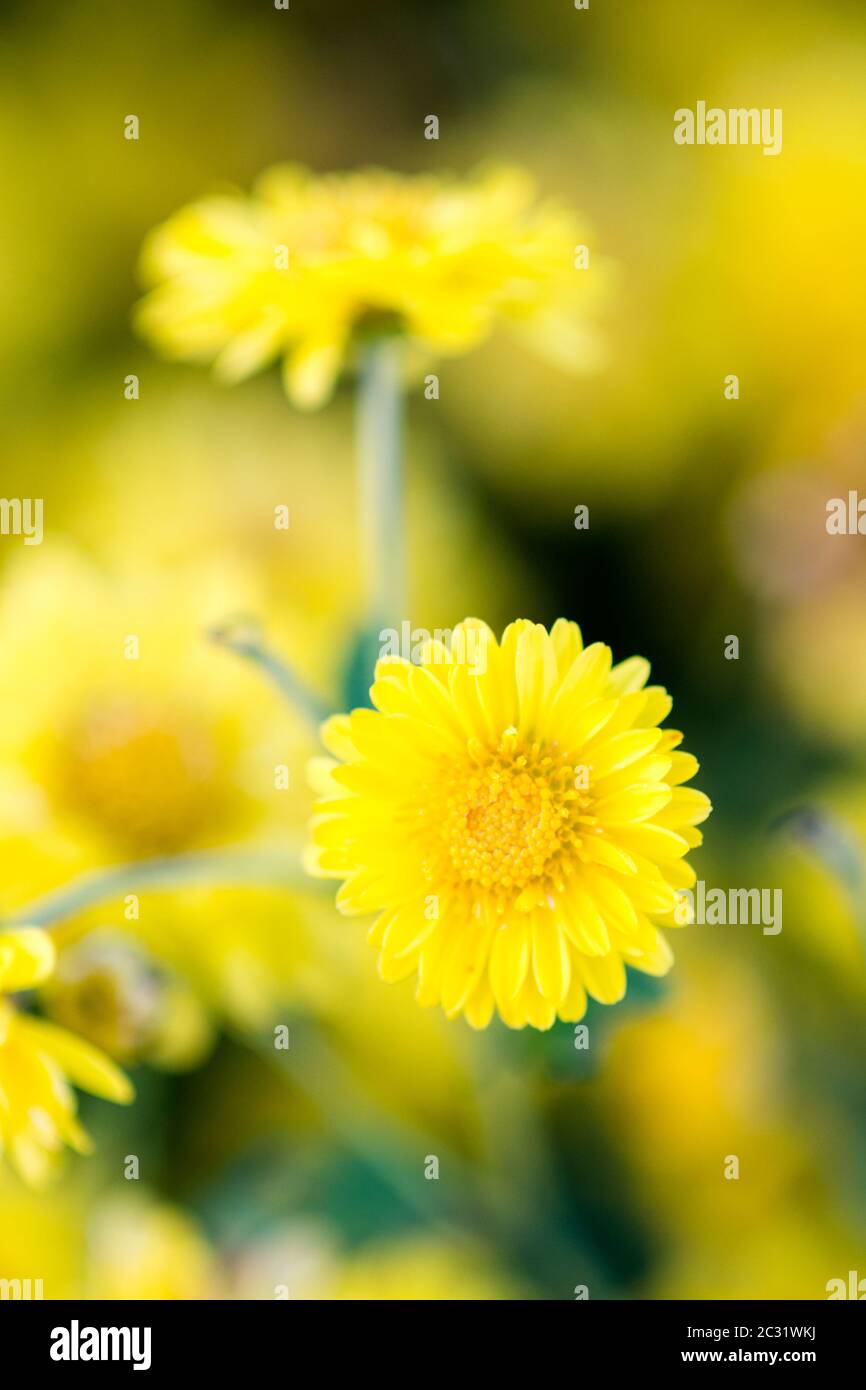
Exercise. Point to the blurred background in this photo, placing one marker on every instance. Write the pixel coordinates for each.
(303, 1172)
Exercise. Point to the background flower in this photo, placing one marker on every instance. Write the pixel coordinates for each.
(39, 1065)
(305, 265)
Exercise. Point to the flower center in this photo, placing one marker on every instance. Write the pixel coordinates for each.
(145, 774)
(507, 820)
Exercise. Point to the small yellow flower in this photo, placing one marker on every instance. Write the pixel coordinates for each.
(302, 266)
(39, 1063)
(516, 818)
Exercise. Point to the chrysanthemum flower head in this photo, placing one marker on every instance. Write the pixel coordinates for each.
(515, 817)
(305, 265)
(39, 1064)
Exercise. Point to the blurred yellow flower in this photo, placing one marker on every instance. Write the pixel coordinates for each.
(129, 734)
(38, 1061)
(788, 1253)
(425, 1269)
(105, 759)
(303, 1260)
(516, 818)
(687, 1086)
(302, 267)
(79, 1239)
(141, 1248)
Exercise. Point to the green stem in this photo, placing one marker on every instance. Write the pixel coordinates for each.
(380, 471)
(209, 868)
(244, 639)
(491, 1198)
(315, 1069)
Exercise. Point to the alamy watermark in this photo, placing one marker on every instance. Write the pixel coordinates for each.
(854, 1287)
(77, 1343)
(21, 1290)
(740, 125)
(731, 907)
(846, 516)
(22, 516)
(467, 645)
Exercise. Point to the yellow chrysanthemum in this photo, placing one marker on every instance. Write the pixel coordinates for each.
(516, 818)
(298, 268)
(38, 1061)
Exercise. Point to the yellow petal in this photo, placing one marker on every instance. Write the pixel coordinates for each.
(614, 903)
(574, 726)
(683, 768)
(687, 807)
(27, 957)
(551, 963)
(85, 1065)
(582, 920)
(430, 963)
(537, 1010)
(654, 841)
(621, 751)
(567, 643)
(597, 849)
(631, 675)
(407, 930)
(637, 803)
(311, 370)
(509, 960)
(336, 734)
(573, 1006)
(479, 1008)
(604, 977)
(535, 675)
(656, 961)
(466, 960)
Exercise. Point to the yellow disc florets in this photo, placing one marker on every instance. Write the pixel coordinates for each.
(148, 774)
(505, 821)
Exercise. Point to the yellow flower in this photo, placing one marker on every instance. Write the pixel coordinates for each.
(142, 1248)
(516, 818)
(297, 270)
(105, 760)
(80, 1240)
(38, 1061)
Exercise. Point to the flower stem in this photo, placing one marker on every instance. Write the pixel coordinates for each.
(245, 640)
(380, 471)
(208, 868)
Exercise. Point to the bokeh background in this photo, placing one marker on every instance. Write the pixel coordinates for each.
(558, 1167)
